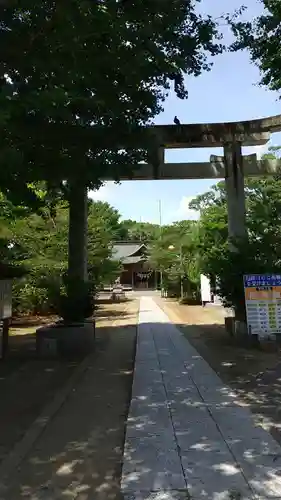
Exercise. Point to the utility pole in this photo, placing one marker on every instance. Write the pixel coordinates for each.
(180, 257)
(181, 271)
(160, 224)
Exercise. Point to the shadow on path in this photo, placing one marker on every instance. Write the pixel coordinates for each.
(254, 374)
(80, 453)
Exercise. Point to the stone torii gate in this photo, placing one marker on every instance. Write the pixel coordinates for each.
(232, 167)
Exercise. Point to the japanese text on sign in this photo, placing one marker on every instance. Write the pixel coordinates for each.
(256, 280)
(263, 303)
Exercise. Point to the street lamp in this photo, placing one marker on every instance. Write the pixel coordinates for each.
(171, 247)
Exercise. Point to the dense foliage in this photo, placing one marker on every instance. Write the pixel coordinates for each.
(80, 82)
(174, 253)
(179, 252)
(186, 249)
(38, 241)
(260, 253)
(262, 37)
(79, 79)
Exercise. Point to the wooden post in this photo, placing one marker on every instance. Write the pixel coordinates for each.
(5, 338)
(133, 282)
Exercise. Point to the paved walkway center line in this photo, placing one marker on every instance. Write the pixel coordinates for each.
(186, 432)
(168, 401)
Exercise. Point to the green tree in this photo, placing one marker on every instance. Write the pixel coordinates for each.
(130, 230)
(103, 226)
(174, 254)
(262, 37)
(39, 242)
(79, 83)
(259, 254)
(273, 153)
(78, 80)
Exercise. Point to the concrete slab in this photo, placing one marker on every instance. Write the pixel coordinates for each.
(178, 392)
(160, 495)
(142, 423)
(203, 436)
(260, 459)
(152, 464)
(184, 417)
(154, 391)
(214, 475)
(187, 436)
(218, 395)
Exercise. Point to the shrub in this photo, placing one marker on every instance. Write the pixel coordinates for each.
(29, 299)
(37, 293)
(44, 292)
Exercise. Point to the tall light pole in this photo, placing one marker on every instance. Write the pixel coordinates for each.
(181, 276)
(160, 225)
(171, 247)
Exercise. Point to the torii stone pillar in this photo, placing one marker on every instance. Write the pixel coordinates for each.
(74, 335)
(236, 208)
(234, 183)
(77, 236)
(157, 159)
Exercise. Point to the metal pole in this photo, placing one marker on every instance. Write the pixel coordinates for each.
(181, 272)
(155, 280)
(132, 277)
(160, 224)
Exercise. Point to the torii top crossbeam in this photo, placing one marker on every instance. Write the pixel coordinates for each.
(200, 135)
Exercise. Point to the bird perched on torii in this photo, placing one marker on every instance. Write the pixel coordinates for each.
(176, 121)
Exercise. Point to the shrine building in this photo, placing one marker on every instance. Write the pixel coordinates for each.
(137, 273)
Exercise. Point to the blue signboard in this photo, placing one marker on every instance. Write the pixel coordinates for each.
(256, 280)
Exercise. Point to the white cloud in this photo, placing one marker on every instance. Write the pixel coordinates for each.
(105, 193)
(261, 150)
(184, 212)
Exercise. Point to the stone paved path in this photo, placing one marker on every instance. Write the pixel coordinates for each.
(187, 436)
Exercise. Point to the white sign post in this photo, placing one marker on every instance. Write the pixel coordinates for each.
(5, 299)
(205, 289)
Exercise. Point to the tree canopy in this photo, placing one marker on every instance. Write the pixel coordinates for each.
(262, 37)
(78, 79)
(260, 253)
(180, 251)
(38, 243)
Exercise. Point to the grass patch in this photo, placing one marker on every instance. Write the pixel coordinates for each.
(31, 330)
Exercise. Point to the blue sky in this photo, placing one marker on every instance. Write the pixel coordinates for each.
(229, 92)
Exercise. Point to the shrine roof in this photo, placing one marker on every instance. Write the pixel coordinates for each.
(125, 251)
(133, 260)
